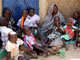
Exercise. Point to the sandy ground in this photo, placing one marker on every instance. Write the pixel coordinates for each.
(70, 55)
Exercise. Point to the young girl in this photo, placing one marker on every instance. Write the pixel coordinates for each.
(7, 15)
(30, 41)
(22, 22)
(16, 48)
(69, 30)
(56, 33)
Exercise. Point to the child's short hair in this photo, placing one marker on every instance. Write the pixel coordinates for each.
(32, 9)
(24, 10)
(11, 33)
(25, 28)
(56, 17)
(76, 12)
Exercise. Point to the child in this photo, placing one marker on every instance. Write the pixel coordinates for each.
(56, 33)
(75, 16)
(33, 17)
(7, 15)
(69, 31)
(16, 48)
(30, 42)
(34, 22)
(4, 30)
(22, 22)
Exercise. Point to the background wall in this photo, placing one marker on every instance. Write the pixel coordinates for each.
(0, 7)
(66, 7)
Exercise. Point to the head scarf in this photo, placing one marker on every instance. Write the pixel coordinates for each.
(70, 32)
(48, 21)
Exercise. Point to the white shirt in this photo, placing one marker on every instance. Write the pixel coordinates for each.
(26, 22)
(34, 19)
(4, 34)
(14, 48)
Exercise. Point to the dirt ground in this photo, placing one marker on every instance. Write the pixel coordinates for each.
(71, 54)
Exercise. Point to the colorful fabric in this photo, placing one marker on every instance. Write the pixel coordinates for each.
(11, 23)
(29, 41)
(68, 35)
(22, 21)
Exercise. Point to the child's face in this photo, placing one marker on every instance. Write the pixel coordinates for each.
(31, 12)
(7, 14)
(25, 13)
(57, 20)
(76, 15)
(69, 23)
(27, 31)
(3, 22)
(13, 38)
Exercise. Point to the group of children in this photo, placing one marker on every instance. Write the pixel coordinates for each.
(22, 42)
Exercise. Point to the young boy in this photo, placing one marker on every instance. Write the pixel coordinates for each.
(30, 42)
(4, 30)
(16, 48)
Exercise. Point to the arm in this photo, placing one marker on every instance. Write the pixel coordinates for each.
(25, 49)
(8, 56)
(39, 48)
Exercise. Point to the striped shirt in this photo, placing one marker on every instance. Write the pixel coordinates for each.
(29, 41)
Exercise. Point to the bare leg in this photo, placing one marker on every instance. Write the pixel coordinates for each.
(64, 43)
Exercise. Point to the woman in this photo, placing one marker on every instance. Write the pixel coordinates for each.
(48, 21)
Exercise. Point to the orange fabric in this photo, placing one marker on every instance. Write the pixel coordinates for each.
(22, 21)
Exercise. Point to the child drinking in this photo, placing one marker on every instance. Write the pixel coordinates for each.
(16, 48)
(56, 33)
(30, 42)
(7, 15)
(69, 30)
(4, 30)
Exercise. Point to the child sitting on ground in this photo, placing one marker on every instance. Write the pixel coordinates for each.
(34, 22)
(30, 42)
(56, 32)
(4, 30)
(22, 21)
(69, 31)
(7, 15)
(16, 48)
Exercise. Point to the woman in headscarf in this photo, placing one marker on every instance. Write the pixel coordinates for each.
(49, 19)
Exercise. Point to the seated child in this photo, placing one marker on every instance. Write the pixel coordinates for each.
(75, 17)
(34, 22)
(22, 22)
(11, 22)
(55, 34)
(69, 31)
(16, 48)
(30, 42)
(4, 30)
